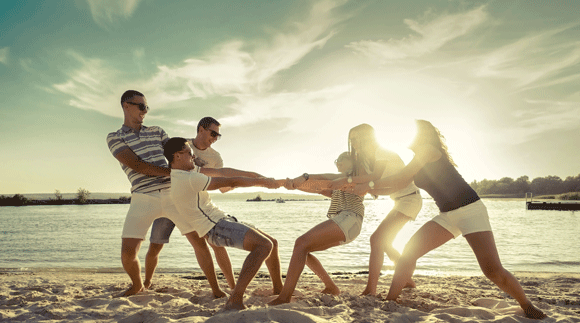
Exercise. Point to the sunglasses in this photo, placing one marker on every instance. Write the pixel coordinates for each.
(214, 134)
(141, 106)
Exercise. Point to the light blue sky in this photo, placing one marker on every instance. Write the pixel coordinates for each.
(288, 79)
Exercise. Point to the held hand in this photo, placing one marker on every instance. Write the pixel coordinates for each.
(270, 183)
(298, 181)
(289, 184)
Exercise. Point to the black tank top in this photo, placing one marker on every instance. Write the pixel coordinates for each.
(445, 185)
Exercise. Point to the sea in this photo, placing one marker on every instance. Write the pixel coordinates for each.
(87, 238)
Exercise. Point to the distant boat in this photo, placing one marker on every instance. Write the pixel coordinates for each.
(280, 200)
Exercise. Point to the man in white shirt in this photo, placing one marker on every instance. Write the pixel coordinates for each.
(200, 217)
(208, 132)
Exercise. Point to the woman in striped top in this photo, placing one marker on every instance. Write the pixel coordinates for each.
(345, 214)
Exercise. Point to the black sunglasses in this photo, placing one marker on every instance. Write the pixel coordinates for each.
(215, 134)
(141, 106)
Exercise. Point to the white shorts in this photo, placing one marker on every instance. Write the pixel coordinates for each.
(144, 209)
(350, 223)
(465, 220)
(409, 205)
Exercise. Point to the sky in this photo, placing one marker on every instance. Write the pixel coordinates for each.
(287, 80)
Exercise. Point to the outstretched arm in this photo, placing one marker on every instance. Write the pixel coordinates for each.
(341, 182)
(128, 158)
(218, 182)
(227, 172)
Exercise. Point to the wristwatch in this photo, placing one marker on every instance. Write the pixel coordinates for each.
(372, 184)
(306, 176)
(349, 179)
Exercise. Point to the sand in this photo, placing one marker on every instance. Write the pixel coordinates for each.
(68, 295)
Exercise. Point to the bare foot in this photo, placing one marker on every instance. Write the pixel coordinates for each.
(129, 292)
(234, 306)
(278, 301)
(277, 290)
(367, 291)
(331, 290)
(533, 312)
(219, 294)
(147, 284)
(410, 284)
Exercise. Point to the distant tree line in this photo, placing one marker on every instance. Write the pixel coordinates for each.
(549, 185)
(82, 197)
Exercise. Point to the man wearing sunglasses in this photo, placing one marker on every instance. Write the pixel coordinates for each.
(139, 149)
(207, 133)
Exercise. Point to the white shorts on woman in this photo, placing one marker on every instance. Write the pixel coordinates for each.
(465, 220)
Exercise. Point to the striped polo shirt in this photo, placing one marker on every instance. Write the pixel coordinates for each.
(146, 143)
(343, 201)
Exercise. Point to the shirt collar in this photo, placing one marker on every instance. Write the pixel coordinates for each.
(129, 129)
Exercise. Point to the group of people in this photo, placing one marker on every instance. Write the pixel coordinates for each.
(171, 178)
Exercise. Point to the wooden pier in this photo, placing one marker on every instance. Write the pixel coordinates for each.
(557, 206)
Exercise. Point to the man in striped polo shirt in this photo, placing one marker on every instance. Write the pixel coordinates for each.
(139, 149)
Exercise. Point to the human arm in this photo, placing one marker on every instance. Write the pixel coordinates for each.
(238, 181)
(128, 158)
(312, 183)
(377, 173)
(227, 172)
(390, 184)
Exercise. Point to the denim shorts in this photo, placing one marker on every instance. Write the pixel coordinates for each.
(350, 223)
(161, 230)
(228, 232)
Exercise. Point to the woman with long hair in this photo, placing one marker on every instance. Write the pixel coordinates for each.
(461, 212)
(372, 162)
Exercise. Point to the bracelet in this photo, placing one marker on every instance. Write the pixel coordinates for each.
(349, 179)
(306, 176)
(372, 184)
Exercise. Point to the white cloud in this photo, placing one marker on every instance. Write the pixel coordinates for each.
(92, 86)
(4, 55)
(237, 69)
(432, 36)
(106, 12)
(534, 61)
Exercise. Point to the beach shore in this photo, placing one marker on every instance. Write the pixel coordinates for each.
(66, 296)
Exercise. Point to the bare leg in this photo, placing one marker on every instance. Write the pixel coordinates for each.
(329, 286)
(223, 259)
(483, 245)
(381, 243)
(205, 261)
(323, 236)
(260, 248)
(430, 236)
(273, 265)
(129, 250)
(151, 260)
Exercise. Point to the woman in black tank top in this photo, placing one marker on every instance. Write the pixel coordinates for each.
(433, 170)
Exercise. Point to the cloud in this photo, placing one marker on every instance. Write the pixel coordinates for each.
(235, 68)
(533, 61)
(107, 12)
(431, 36)
(4, 55)
(92, 86)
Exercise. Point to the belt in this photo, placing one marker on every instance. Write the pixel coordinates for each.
(416, 192)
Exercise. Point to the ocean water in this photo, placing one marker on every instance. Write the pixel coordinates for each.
(87, 237)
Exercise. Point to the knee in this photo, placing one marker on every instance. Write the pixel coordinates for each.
(493, 272)
(377, 240)
(302, 244)
(274, 243)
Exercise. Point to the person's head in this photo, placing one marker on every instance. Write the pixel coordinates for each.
(178, 153)
(208, 132)
(134, 105)
(429, 134)
(362, 145)
(344, 163)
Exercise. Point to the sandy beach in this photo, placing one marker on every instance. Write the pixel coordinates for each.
(69, 295)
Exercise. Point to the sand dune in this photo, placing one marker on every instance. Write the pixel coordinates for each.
(66, 296)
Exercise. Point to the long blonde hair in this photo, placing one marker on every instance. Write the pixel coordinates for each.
(429, 134)
(365, 135)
